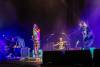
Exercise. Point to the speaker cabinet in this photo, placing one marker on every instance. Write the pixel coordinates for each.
(25, 52)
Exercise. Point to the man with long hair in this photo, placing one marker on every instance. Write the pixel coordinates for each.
(87, 35)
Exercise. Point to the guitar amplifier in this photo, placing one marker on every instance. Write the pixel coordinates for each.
(25, 52)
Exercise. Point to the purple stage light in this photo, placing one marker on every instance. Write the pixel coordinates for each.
(94, 19)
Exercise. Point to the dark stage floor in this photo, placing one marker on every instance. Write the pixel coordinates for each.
(76, 58)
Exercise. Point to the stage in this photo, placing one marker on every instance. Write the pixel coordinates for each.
(61, 59)
(49, 32)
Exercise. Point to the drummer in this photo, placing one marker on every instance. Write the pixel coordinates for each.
(61, 44)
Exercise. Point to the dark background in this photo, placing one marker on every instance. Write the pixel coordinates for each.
(22, 14)
(44, 12)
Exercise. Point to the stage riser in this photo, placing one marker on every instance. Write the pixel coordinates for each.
(97, 56)
(69, 57)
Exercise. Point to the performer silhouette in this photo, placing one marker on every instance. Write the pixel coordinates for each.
(87, 35)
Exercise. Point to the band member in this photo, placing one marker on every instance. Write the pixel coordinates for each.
(36, 39)
(87, 34)
(84, 29)
(61, 44)
(36, 32)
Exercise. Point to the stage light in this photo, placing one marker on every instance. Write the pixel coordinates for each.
(92, 52)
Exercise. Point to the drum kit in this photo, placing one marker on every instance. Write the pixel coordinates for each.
(9, 46)
(63, 44)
